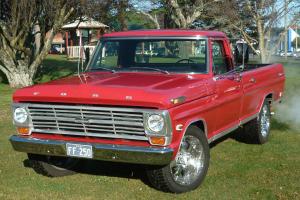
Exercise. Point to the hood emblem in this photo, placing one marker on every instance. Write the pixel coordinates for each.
(63, 94)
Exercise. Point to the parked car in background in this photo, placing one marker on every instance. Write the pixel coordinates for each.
(56, 49)
(289, 54)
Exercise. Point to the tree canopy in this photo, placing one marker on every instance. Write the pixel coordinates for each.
(24, 24)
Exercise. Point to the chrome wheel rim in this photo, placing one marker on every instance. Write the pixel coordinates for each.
(189, 162)
(265, 121)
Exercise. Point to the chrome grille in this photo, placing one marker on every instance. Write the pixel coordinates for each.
(88, 121)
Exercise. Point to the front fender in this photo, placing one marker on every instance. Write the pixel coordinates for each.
(199, 112)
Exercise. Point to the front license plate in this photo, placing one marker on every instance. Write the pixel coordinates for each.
(79, 150)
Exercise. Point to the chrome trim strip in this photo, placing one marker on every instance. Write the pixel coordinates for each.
(107, 152)
(229, 130)
(244, 121)
(223, 133)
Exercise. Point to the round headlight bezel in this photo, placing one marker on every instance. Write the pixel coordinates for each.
(20, 119)
(156, 123)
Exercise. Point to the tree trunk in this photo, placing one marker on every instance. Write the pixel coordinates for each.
(37, 39)
(19, 79)
(122, 6)
(152, 18)
(261, 38)
(263, 56)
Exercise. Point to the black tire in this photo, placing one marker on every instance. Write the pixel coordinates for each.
(253, 132)
(53, 166)
(162, 177)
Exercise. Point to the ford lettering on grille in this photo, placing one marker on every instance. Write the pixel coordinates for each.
(79, 120)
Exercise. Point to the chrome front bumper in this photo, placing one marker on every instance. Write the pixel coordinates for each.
(107, 152)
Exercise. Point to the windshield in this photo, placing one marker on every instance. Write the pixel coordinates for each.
(168, 55)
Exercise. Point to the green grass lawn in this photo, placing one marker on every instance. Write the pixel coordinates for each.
(56, 66)
(237, 170)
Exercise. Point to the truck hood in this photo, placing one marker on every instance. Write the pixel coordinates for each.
(151, 90)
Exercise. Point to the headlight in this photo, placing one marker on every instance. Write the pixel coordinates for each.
(20, 115)
(156, 123)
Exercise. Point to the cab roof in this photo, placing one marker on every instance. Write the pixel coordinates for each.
(166, 33)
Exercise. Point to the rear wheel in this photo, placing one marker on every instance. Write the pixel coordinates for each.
(189, 168)
(53, 166)
(258, 130)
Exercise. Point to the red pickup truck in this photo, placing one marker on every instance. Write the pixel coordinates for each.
(152, 97)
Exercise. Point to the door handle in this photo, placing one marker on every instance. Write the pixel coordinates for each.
(252, 80)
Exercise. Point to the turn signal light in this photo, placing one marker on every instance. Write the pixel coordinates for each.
(23, 130)
(157, 140)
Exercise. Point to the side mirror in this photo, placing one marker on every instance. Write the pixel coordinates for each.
(241, 53)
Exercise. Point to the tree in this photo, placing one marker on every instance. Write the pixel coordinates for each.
(121, 7)
(153, 18)
(151, 9)
(23, 42)
(111, 12)
(185, 12)
(23, 45)
(258, 21)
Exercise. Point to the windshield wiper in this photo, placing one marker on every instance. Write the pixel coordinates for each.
(104, 68)
(150, 68)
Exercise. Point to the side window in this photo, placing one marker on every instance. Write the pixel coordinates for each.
(220, 66)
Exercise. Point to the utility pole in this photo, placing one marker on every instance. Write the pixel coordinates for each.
(286, 30)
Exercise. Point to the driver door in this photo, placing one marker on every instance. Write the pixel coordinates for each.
(228, 88)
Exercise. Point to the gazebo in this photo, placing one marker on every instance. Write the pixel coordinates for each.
(80, 33)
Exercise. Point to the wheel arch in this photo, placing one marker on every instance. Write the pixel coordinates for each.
(269, 97)
(200, 123)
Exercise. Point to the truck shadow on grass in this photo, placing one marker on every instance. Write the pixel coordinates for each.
(112, 169)
(108, 169)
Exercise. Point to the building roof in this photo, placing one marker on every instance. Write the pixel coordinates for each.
(58, 38)
(166, 32)
(85, 23)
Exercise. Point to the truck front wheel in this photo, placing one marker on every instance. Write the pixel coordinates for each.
(53, 166)
(189, 168)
